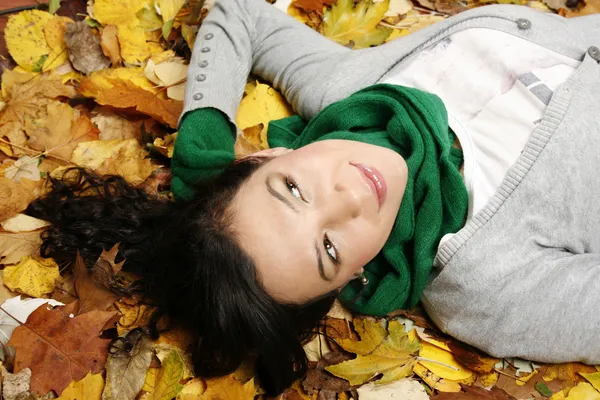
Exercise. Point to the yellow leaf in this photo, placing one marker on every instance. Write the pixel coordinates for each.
(356, 25)
(583, 391)
(132, 316)
(123, 157)
(393, 356)
(261, 105)
(169, 8)
(167, 384)
(89, 388)
(117, 12)
(13, 246)
(150, 381)
(54, 32)
(192, 390)
(455, 372)
(113, 126)
(189, 33)
(435, 382)
(25, 40)
(164, 350)
(137, 45)
(60, 131)
(15, 77)
(522, 381)
(166, 145)
(171, 73)
(99, 81)
(248, 141)
(594, 379)
(228, 387)
(559, 395)
(489, 380)
(34, 277)
(16, 196)
(110, 45)
(149, 19)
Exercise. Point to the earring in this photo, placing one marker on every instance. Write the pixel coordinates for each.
(363, 279)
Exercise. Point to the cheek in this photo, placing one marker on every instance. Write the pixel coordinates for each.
(362, 245)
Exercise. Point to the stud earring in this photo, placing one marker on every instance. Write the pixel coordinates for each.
(363, 279)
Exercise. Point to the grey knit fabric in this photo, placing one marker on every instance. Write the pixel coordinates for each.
(522, 278)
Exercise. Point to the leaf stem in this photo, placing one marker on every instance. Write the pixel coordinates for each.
(436, 362)
(23, 8)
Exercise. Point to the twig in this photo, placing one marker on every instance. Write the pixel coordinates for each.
(436, 362)
(23, 8)
(510, 376)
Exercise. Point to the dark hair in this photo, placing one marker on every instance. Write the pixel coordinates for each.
(191, 264)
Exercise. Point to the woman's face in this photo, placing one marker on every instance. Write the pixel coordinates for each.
(312, 218)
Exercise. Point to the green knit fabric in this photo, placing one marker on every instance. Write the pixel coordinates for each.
(414, 124)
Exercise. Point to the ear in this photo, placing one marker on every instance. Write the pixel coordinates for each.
(265, 154)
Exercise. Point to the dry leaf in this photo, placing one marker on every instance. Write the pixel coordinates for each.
(114, 126)
(125, 157)
(228, 387)
(100, 81)
(313, 5)
(34, 277)
(92, 286)
(54, 32)
(317, 379)
(192, 390)
(84, 47)
(25, 40)
(15, 197)
(89, 388)
(435, 382)
(401, 389)
(23, 223)
(166, 145)
(13, 246)
(471, 357)
(132, 316)
(444, 365)
(163, 350)
(127, 365)
(15, 311)
(60, 349)
(137, 45)
(164, 385)
(110, 45)
(356, 26)
(593, 378)
(583, 391)
(391, 354)
(475, 393)
(398, 7)
(16, 386)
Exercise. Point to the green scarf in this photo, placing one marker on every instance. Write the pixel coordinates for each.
(414, 124)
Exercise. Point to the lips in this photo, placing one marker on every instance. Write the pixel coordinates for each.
(374, 179)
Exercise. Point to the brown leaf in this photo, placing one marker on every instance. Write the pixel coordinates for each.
(92, 287)
(15, 386)
(110, 45)
(15, 197)
(127, 95)
(475, 393)
(13, 246)
(127, 365)
(85, 52)
(317, 379)
(313, 5)
(60, 130)
(60, 349)
(471, 357)
(417, 315)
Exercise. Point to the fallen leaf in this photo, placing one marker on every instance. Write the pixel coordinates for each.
(313, 5)
(228, 387)
(127, 95)
(25, 40)
(54, 33)
(593, 378)
(583, 391)
(488, 380)
(543, 389)
(442, 363)
(110, 45)
(475, 393)
(25, 167)
(16, 386)
(15, 311)
(127, 365)
(114, 126)
(192, 390)
(100, 81)
(168, 11)
(391, 354)
(166, 145)
(356, 26)
(137, 44)
(110, 12)
(317, 379)
(125, 157)
(59, 132)
(32, 276)
(400, 389)
(166, 384)
(164, 350)
(149, 19)
(567, 372)
(471, 357)
(435, 382)
(60, 349)
(92, 287)
(132, 316)
(89, 388)
(248, 141)
(23, 223)
(398, 7)
(84, 47)
(13, 246)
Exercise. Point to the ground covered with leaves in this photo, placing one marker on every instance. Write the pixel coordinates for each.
(99, 84)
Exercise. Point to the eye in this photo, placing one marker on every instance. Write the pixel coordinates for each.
(331, 250)
(293, 188)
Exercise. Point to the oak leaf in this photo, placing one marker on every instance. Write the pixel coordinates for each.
(127, 95)
(13, 246)
(390, 353)
(89, 388)
(127, 365)
(34, 277)
(356, 25)
(84, 47)
(59, 348)
(125, 157)
(228, 387)
(25, 40)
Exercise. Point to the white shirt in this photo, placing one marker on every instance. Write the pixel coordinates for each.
(496, 88)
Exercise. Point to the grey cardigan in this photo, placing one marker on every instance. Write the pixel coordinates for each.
(522, 278)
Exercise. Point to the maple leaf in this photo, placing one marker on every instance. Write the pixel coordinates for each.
(125, 157)
(33, 277)
(85, 52)
(356, 26)
(390, 353)
(13, 246)
(127, 365)
(89, 388)
(92, 284)
(127, 95)
(60, 349)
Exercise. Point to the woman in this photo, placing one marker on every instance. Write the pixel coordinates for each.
(253, 252)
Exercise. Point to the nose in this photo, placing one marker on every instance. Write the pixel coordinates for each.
(344, 204)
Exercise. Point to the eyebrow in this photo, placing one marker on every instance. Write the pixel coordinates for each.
(279, 196)
(320, 263)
